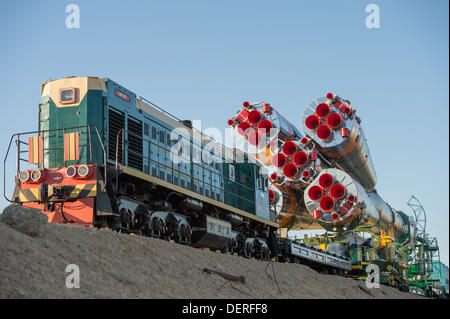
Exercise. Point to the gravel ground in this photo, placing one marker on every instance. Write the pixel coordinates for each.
(34, 256)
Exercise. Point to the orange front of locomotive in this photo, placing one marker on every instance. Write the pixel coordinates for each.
(65, 195)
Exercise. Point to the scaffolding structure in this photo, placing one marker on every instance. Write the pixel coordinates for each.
(423, 262)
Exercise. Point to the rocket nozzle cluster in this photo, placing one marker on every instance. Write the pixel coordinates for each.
(289, 154)
(338, 201)
(328, 117)
(336, 198)
(253, 123)
(328, 200)
(332, 124)
(296, 160)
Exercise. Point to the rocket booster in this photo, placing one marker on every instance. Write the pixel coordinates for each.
(272, 140)
(338, 202)
(291, 158)
(336, 130)
(324, 178)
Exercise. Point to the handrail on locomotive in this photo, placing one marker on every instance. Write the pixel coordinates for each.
(18, 142)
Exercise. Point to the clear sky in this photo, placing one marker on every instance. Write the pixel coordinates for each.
(201, 59)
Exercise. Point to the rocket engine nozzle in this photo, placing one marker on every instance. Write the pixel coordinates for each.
(279, 160)
(327, 203)
(264, 127)
(254, 138)
(243, 128)
(334, 120)
(315, 192)
(324, 132)
(334, 216)
(337, 191)
(290, 170)
(326, 180)
(305, 141)
(254, 116)
(289, 148)
(301, 158)
(306, 174)
(323, 110)
(312, 122)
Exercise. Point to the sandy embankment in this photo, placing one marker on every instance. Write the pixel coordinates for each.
(34, 256)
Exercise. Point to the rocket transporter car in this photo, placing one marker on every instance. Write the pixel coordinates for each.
(104, 157)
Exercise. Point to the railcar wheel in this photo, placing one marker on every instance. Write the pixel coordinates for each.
(233, 246)
(224, 249)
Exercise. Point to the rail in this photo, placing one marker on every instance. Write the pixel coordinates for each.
(47, 134)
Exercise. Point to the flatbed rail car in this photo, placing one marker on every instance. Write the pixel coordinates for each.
(321, 260)
(102, 156)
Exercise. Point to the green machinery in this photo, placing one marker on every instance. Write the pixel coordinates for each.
(424, 258)
(408, 267)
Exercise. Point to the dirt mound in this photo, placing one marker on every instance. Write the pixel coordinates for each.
(27, 221)
(113, 265)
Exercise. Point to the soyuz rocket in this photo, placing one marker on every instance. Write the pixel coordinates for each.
(323, 177)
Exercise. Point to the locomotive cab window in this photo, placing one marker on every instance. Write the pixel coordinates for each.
(67, 96)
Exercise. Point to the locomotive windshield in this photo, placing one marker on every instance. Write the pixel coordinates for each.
(67, 95)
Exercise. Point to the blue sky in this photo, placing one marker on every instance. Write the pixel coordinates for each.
(201, 59)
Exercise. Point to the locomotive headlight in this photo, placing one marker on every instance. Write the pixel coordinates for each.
(71, 171)
(83, 171)
(24, 176)
(36, 175)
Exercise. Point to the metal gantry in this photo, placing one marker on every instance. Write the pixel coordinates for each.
(424, 260)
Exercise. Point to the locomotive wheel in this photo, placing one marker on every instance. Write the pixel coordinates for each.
(158, 227)
(182, 234)
(224, 249)
(266, 254)
(115, 222)
(147, 228)
(233, 246)
(249, 250)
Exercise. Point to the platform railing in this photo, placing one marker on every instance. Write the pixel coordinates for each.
(18, 140)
